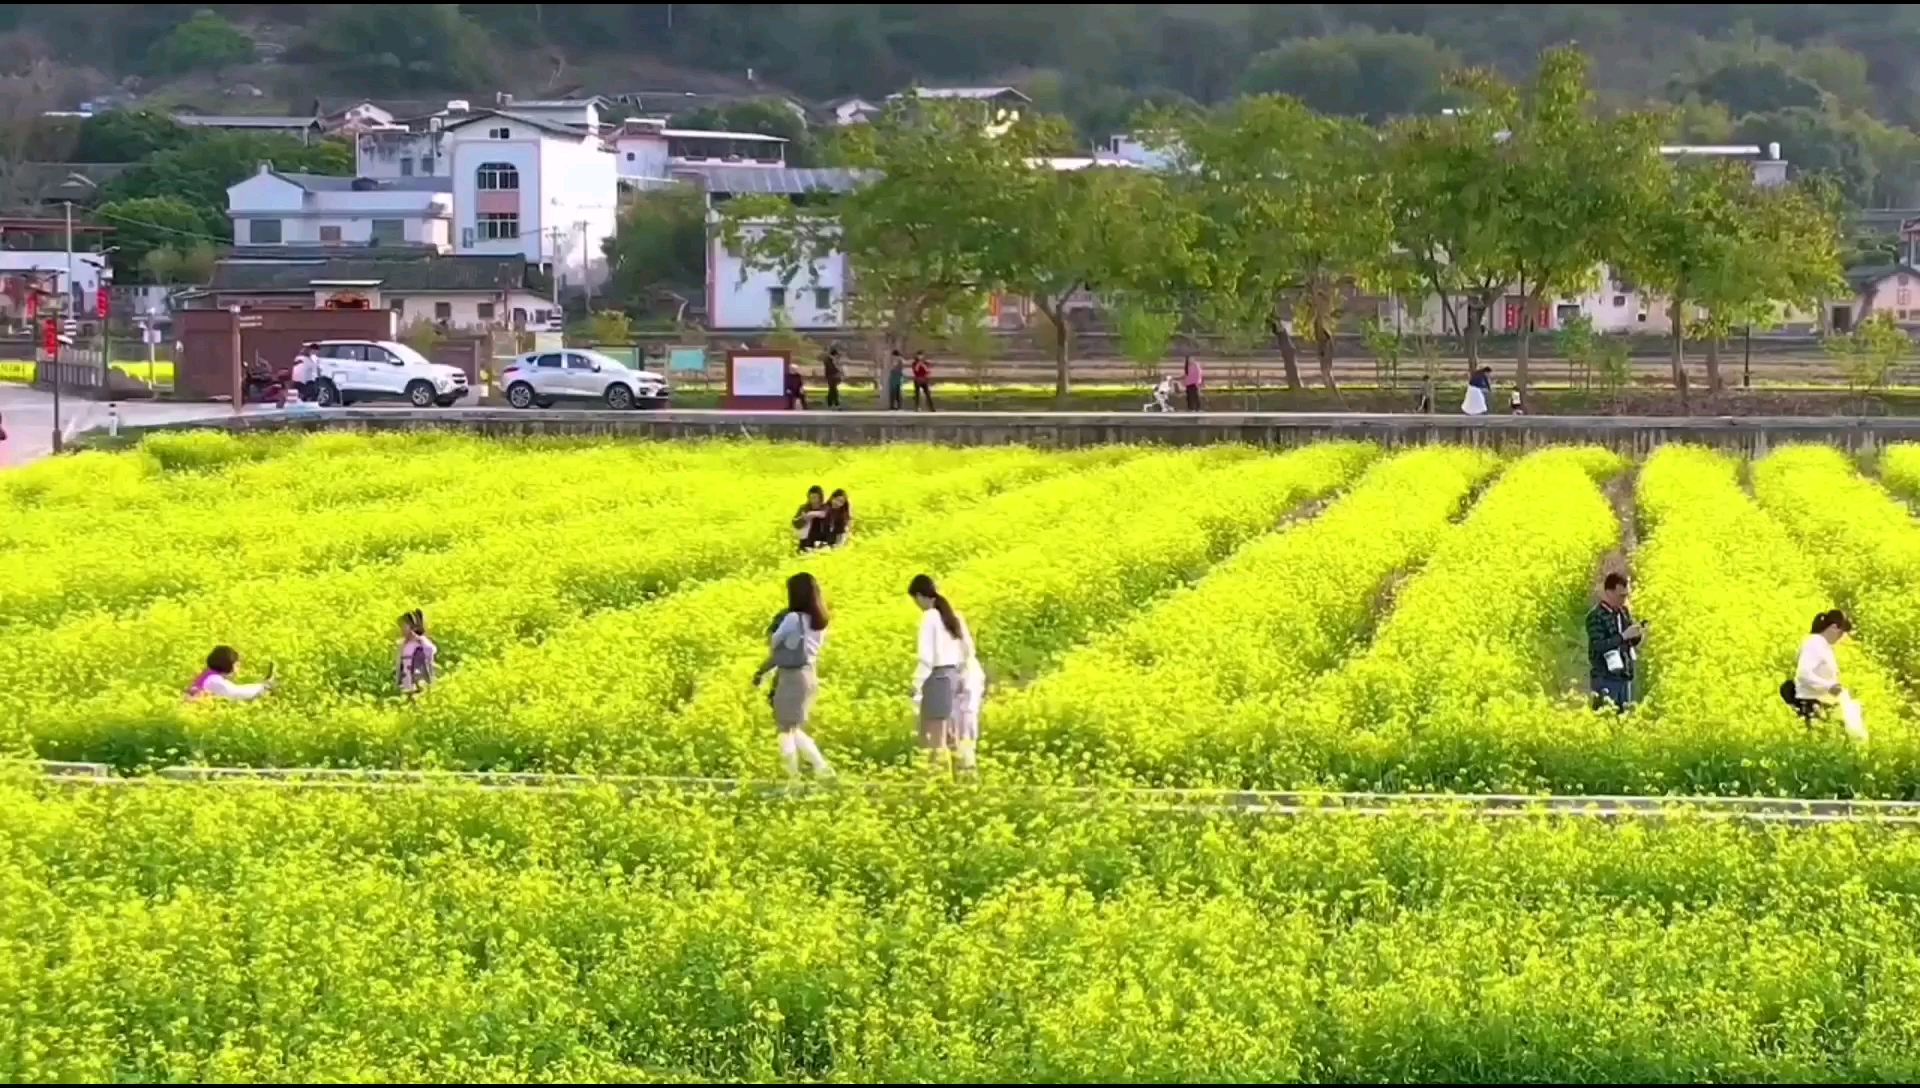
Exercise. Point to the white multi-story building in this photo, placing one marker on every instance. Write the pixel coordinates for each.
(541, 188)
(740, 296)
(280, 209)
(651, 154)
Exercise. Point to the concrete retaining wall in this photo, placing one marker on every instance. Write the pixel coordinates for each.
(1628, 435)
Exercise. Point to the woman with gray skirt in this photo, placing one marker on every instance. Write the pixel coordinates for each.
(940, 677)
(796, 639)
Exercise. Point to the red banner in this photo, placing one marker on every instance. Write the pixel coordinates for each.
(33, 304)
(50, 339)
(103, 302)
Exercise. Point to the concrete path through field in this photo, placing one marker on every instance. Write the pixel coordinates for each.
(27, 415)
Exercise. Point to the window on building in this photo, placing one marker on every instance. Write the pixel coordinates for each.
(629, 156)
(406, 166)
(500, 133)
(399, 307)
(388, 232)
(426, 165)
(777, 298)
(330, 234)
(263, 232)
(1619, 300)
(442, 311)
(499, 226)
(497, 176)
(486, 311)
(1905, 296)
(823, 298)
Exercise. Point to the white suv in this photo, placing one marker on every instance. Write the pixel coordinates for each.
(344, 371)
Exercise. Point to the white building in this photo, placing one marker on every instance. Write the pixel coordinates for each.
(742, 297)
(855, 111)
(281, 209)
(543, 189)
(650, 153)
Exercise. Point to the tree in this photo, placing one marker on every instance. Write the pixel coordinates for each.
(1868, 354)
(1758, 86)
(205, 42)
(128, 136)
(1146, 331)
(143, 225)
(913, 234)
(1292, 213)
(1575, 180)
(1064, 232)
(1821, 144)
(199, 171)
(661, 245)
(1357, 74)
(391, 47)
(610, 327)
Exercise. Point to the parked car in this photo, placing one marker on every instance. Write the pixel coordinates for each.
(543, 377)
(355, 370)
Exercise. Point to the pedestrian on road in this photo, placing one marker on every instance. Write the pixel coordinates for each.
(1815, 688)
(896, 382)
(1613, 645)
(1193, 379)
(796, 389)
(414, 661)
(831, 365)
(1479, 392)
(922, 380)
(795, 641)
(216, 680)
(942, 679)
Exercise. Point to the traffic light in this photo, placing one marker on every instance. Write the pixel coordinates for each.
(103, 302)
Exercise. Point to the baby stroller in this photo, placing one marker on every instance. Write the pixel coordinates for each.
(1162, 397)
(265, 385)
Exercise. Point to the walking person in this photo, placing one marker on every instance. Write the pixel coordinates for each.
(896, 382)
(1815, 688)
(940, 675)
(831, 366)
(922, 380)
(1613, 645)
(414, 661)
(1193, 378)
(1479, 392)
(216, 680)
(795, 640)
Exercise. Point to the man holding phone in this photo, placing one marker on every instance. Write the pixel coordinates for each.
(1613, 644)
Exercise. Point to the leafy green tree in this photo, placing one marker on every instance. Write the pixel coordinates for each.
(660, 245)
(1146, 332)
(389, 47)
(142, 225)
(1818, 144)
(1868, 355)
(205, 42)
(1758, 86)
(610, 327)
(199, 171)
(1576, 180)
(128, 136)
(1358, 74)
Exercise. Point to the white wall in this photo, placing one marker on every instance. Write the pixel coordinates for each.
(733, 303)
(379, 155)
(1897, 296)
(424, 217)
(469, 147)
(463, 308)
(642, 156)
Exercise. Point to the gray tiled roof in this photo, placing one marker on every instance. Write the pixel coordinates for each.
(776, 180)
(467, 273)
(541, 123)
(330, 183)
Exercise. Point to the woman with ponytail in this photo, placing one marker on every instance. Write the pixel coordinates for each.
(413, 666)
(947, 681)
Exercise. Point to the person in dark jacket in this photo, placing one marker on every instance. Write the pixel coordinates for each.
(896, 381)
(831, 365)
(796, 389)
(1613, 644)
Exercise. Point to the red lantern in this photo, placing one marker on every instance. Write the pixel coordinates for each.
(102, 303)
(50, 339)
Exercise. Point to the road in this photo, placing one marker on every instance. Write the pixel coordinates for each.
(27, 415)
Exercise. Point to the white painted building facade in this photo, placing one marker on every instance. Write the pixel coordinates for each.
(275, 209)
(544, 190)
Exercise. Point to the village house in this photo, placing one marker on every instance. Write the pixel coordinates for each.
(544, 188)
(272, 208)
(454, 293)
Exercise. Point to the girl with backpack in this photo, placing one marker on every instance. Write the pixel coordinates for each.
(413, 665)
(948, 683)
(795, 641)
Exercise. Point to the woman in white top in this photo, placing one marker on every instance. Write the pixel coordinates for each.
(1816, 678)
(216, 680)
(940, 677)
(795, 642)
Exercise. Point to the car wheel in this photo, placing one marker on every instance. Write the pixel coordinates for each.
(327, 395)
(420, 394)
(619, 397)
(520, 395)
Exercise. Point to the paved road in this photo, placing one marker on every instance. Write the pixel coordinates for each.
(28, 417)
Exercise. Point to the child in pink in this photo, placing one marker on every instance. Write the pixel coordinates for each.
(414, 664)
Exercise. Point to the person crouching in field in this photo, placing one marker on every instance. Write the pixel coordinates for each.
(948, 683)
(216, 680)
(1613, 645)
(413, 665)
(1815, 687)
(795, 641)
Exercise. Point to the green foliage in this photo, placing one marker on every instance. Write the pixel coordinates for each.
(128, 136)
(205, 42)
(1145, 334)
(392, 47)
(1868, 354)
(784, 337)
(610, 327)
(1759, 86)
(1359, 74)
(660, 244)
(423, 335)
(143, 225)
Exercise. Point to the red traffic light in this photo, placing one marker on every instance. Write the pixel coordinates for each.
(103, 303)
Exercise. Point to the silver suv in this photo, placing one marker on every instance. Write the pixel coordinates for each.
(543, 377)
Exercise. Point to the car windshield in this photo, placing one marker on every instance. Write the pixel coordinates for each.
(408, 355)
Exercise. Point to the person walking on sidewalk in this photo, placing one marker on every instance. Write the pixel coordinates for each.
(795, 642)
(922, 380)
(896, 382)
(831, 366)
(1613, 645)
(1193, 378)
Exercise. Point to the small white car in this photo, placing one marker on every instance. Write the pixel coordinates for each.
(543, 377)
(344, 371)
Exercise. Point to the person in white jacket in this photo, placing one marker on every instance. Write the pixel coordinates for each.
(1816, 676)
(948, 683)
(216, 680)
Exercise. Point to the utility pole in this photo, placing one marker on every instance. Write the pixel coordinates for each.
(586, 273)
(54, 356)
